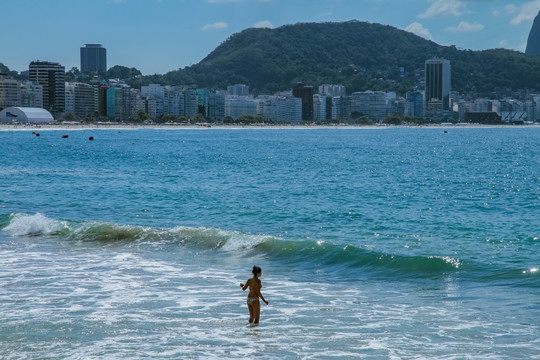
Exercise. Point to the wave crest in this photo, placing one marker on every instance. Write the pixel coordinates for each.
(310, 253)
(34, 225)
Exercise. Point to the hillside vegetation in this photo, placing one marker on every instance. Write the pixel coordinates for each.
(356, 54)
(361, 56)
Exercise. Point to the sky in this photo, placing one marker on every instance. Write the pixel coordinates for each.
(158, 36)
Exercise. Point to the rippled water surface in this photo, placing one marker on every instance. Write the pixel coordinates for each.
(377, 244)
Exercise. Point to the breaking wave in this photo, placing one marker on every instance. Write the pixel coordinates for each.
(309, 253)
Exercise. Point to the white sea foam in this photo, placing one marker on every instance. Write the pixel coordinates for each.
(239, 241)
(38, 224)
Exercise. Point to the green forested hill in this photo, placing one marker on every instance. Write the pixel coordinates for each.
(359, 55)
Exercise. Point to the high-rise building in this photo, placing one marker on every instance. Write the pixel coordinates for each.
(216, 106)
(416, 98)
(191, 102)
(52, 77)
(238, 89)
(93, 59)
(31, 95)
(332, 90)
(237, 106)
(81, 99)
(438, 84)
(10, 92)
(319, 107)
(305, 93)
(373, 104)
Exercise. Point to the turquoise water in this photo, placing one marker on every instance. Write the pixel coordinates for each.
(378, 244)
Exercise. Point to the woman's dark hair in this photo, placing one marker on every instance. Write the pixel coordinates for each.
(256, 270)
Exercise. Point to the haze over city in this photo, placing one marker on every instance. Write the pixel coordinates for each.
(157, 36)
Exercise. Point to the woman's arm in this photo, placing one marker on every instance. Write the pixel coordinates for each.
(244, 287)
(261, 295)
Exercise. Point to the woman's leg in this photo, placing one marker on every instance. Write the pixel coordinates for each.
(251, 312)
(256, 311)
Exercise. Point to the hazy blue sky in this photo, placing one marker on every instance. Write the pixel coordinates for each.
(157, 36)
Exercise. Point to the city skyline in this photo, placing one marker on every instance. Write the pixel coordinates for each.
(189, 30)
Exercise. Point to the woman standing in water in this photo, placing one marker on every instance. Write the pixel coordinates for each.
(255, 286)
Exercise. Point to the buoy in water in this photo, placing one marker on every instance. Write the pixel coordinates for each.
(37, 134)
(91, 138)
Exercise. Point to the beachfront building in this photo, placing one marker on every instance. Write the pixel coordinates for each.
(176, 100)
(237, 106)
(403, 107)
(123, 103)
(156, 99)
(533, 107)
(267, 106)
(238, 90)
(25, 115)
(93, 59)
(202, 101)
(305, 93)
(81, 99)
(416, 100)
(10, 92)
(191, 102)
(52, 77)
(332, 90)
(216, 106)
(372, 104)
(438, 79)
(31, 95)
(289, 110)
(319, 107)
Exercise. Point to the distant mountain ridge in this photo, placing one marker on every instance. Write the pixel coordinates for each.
(533, 42)
(356, 54)
(360, 55)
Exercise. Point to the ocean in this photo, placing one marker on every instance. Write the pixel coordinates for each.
(395, 243)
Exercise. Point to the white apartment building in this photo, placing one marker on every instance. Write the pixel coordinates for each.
(289, 110)
(10, 92)
(216, 106)
(332, 90)
(238, 90)
(319, 107)
(237, 106)
(372, 104)
(161, 96)
(176, 101)
(191, 102)
(31, 95)
(81, 99)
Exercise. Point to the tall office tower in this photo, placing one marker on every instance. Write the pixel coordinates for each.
(93, 58)
(305, 93)
(438, 84)
(52, 77)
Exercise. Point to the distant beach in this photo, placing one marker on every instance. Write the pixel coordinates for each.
(133, 126)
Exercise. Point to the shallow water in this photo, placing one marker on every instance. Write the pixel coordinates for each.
(397, 243)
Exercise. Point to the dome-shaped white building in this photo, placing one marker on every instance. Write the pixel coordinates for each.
(24, 115)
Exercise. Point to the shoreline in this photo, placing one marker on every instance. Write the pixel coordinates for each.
(116, 126)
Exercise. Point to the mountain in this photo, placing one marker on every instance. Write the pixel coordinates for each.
(533, 43)
(356, 54)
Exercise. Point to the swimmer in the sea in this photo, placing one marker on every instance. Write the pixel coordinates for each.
(255, 286)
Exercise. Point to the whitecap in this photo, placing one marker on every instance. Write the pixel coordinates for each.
(38, 224)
